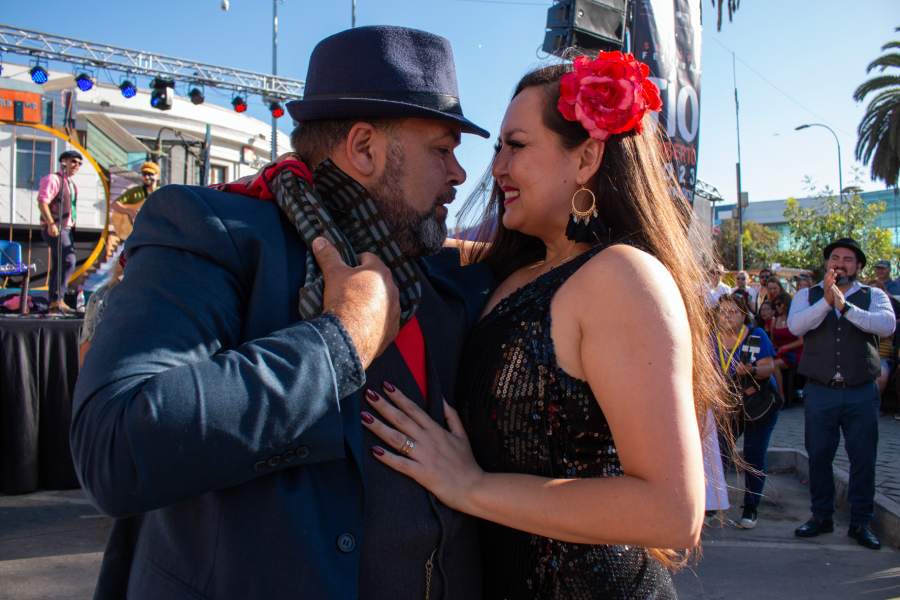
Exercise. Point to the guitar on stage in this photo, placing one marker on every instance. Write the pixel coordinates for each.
(126, 207)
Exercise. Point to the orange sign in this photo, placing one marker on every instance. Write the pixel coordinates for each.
(24, 107)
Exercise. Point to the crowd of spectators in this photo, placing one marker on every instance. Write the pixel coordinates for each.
(768, 298)
(758, 312)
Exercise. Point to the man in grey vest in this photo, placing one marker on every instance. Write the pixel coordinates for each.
(841, 321)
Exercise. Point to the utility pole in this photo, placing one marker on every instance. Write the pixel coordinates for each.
(353, 14)
(274, 73)
(737, 168)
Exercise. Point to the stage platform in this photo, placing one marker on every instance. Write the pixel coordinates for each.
(38, 369)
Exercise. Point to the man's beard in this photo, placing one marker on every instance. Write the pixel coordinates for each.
(416, 234)
(841, 278)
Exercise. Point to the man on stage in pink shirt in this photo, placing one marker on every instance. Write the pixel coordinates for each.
(57, 198)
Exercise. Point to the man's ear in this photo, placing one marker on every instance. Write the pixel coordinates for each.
(590, 156)
(362, 153)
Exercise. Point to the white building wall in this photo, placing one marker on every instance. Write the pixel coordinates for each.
(18, 206)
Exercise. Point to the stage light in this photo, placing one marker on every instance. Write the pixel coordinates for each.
(239, 104)
(276, 109)
(39, 74)
(160, 97)
(84, 82)
(128, 89)
(196, 95)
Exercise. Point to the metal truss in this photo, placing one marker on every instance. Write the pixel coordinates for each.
(48, 46)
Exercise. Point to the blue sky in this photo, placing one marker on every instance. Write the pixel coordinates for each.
(797, 62)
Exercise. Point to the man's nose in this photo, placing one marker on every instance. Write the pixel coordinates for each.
(456, 173)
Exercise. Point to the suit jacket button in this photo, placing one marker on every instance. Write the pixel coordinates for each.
(346, 543)
(273, 462)
(302, 452)
(260, 466)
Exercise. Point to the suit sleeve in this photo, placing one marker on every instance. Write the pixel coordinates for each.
(170, 404)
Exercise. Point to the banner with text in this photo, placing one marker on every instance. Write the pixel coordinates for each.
(666, 34)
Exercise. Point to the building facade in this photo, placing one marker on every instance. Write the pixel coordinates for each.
(771, 213)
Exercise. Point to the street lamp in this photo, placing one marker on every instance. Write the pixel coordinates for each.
(836, 141)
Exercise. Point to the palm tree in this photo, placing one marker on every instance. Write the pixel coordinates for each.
(879, 131)
(732, 6)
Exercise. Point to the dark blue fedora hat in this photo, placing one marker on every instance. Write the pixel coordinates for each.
(382, 71)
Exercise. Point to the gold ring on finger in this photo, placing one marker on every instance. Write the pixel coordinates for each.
(408, 446)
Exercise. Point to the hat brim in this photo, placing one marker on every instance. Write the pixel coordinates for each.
(860, 255)
(370, 108)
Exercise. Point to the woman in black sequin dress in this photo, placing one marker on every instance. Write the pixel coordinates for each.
(580, 386)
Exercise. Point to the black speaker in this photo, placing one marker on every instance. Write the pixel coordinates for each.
(589, 25)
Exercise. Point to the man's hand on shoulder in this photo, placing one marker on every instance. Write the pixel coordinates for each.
(365, 299)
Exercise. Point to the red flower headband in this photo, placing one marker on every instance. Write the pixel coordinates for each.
(608, 95)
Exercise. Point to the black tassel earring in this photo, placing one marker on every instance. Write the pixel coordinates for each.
(585, 225)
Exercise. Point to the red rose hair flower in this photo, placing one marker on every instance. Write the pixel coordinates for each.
(607, 95)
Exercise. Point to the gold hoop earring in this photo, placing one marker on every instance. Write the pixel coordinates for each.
(584, 215)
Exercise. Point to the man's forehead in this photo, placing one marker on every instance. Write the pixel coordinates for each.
(435, 129)
(842, 253)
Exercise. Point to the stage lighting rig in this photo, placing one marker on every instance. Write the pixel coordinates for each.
(128, 89)
(196, 95)
(84, 81)
(239, 104)
(276, 108)
(39, 74)
(161, 97)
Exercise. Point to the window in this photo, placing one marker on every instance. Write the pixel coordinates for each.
(217, 174)
(34, 159)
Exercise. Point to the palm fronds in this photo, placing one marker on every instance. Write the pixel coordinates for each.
(878, 134)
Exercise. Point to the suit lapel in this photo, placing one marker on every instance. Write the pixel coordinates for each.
(443, 326)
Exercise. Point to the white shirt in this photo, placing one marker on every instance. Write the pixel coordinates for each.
(879, 319)
(714, 293)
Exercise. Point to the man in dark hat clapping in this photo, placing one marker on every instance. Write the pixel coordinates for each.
(217, 414)
(841, 322)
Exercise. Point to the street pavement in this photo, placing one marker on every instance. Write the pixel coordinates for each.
(789, 434)
(51, 542)
(769, 562)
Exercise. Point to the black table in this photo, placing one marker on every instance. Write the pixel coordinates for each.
(38, 368)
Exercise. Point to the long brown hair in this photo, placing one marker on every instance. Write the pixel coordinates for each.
(640, 202)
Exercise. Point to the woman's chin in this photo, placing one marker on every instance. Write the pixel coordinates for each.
(511, 222)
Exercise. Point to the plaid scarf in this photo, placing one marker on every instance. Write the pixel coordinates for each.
(342, 211)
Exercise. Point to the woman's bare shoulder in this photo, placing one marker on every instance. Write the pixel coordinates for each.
(624, 275)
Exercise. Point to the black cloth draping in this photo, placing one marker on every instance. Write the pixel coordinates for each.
(38, 368)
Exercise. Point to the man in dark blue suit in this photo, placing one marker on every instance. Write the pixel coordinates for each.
(219, 424)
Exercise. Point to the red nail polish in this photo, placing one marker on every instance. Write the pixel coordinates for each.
(371, 396)
(389, 386)
(377, 450)
(367, 418)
